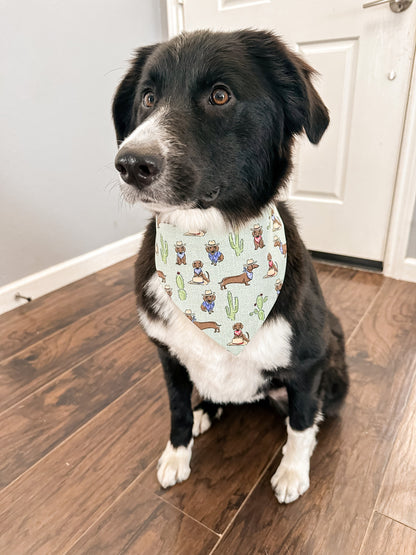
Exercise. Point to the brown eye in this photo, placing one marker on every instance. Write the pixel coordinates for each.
(149, 100)
(219, 97)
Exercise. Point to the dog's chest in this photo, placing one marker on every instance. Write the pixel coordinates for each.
(218, 374)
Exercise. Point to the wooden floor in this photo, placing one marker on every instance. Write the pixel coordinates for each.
(84, 418)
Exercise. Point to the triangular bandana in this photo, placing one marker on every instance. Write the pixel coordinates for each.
(226, 283)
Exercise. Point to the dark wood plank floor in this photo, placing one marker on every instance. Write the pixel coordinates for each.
(84, 417)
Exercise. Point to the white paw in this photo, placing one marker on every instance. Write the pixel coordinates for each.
(173, 466)
(290, 482)
(202, 422)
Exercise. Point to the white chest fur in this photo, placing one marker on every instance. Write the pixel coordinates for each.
(218, 374)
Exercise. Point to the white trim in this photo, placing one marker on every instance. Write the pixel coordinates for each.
(396, 264)
(175, 17)
(57, 276)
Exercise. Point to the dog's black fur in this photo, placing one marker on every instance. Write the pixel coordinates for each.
(237, 158)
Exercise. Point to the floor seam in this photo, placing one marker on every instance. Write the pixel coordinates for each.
(78, 363)
(78, 430)
(124, 295)
(262, 474)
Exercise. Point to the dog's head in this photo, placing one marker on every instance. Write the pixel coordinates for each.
(197, 264)
(238, 326)
(208, 120)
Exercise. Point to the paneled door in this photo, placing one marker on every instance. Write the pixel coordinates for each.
(342, 189)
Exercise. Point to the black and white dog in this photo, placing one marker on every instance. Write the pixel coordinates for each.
(205, 125)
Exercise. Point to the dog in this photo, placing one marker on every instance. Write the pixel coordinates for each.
(257, 232)
(214, 254)
(199, 277)
(205, 125)
(208, 301)
(180, 250)
(239, 338)
(202, 325)
(244, 278)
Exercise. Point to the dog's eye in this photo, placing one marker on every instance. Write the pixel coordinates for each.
(149, 99)
(219, 97)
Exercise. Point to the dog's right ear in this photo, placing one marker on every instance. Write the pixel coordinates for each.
(123, 102)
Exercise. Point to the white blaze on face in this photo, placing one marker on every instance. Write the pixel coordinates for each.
(150, 137)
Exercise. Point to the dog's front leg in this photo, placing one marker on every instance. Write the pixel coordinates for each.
(174, 463)
(291, 479)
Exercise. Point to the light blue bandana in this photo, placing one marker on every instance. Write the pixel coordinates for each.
(225, 283)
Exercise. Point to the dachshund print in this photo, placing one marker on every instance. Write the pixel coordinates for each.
(180, 250)
(199, 277)
(214, 254)
(202, 325)
(258, 237)
(240, 338)
(272, 267)
(245, 277)
(208, 301)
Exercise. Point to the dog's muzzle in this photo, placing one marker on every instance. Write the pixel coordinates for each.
(138, 169)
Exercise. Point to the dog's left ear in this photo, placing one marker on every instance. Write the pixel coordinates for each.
(289, 76)
(316, 117)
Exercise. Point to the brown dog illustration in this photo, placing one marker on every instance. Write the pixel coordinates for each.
(282, 246)
(162, 276)
(208, 301)
(272, 270)
(277, 224)
(278, 286)
(202, 325)
(199, 277)
(213, 250)
(245, 277)
(239, 337)
(180, 250)
(168, 290)
(257, 232)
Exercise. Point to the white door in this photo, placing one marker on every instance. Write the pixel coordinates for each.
(341, 189)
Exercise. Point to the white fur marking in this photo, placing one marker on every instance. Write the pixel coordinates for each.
(218, 374)
(173, 465)
(291, 479)
(202, 422)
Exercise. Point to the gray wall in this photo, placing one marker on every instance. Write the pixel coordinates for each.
(60, 63)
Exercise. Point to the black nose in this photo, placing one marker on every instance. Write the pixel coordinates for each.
(138, 169)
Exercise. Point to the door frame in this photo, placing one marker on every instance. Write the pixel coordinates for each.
(396, 263)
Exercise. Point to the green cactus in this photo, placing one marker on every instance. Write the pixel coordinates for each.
(163, 249)
(259, 304)
(236, 244)
(232, 308)
(180, 283)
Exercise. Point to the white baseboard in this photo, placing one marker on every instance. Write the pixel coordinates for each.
(57, 276)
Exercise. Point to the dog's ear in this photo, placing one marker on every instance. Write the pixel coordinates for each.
(123, 102)
(290, 79)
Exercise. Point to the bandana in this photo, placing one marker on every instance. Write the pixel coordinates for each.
(226, 283)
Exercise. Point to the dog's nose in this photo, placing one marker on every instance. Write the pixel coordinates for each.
(138, 169)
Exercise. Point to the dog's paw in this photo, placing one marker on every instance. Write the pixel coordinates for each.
(173, 466)
(290, 481)
(202, 421)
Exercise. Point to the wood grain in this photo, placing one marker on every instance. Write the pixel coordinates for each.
(140, 522)
(349, 461)
(323, 271)
(36, 365)
(385, 537)
(397, 498)
(53, 503)
(34, 321)
(34, 427)
(349, 293)
(226, 462)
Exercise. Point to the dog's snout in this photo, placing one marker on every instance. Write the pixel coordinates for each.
(138, 169)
